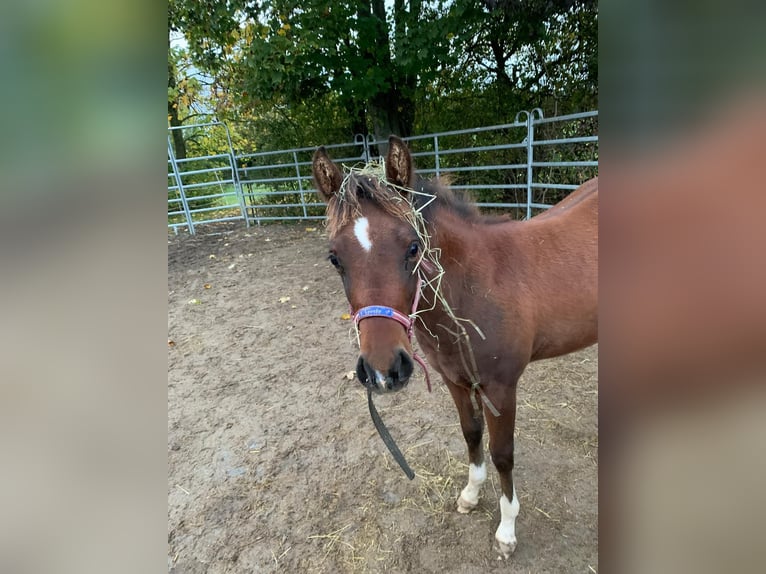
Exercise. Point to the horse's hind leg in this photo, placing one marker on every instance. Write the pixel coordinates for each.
(472, 424)
(501, 448)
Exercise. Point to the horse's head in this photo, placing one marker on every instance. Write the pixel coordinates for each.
(375, 251)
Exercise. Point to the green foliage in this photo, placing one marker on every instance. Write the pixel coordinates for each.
(286, 73)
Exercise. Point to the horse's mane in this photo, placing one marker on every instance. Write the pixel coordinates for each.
(459, 202)
(426, 196)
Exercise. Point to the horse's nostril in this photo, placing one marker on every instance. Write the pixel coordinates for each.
(368, 376)
(396, 368)
(403, 366)
(361, 371)
(392, 379)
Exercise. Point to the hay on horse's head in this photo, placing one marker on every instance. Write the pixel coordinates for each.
(365, 183)
(411, 205)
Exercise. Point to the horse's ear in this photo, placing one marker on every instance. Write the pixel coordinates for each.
(327, 176)
(399, 169)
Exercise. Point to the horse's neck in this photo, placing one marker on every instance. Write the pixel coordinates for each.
(465, 245)
(465, 251)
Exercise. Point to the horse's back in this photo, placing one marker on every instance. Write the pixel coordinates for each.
(585, 196)
(563, 243)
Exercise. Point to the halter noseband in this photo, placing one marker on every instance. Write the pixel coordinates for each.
(407, 321)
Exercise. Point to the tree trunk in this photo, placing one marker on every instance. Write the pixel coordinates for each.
(356, 111)
(392, 113)
(392, 110)
(179, 144)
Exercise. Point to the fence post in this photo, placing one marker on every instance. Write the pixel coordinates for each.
(238, 187)
(181, 193)
(359, 139)
(300, 184)
(530, 159)
(436, 155)
(235, 176)
(530, 152)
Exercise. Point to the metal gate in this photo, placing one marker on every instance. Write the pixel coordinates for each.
(204, 189)
(527, 165)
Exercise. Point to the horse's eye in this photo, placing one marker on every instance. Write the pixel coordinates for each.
(334, 260)
(413, 250)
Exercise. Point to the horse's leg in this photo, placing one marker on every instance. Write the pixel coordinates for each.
(501, 448)
(472, 424)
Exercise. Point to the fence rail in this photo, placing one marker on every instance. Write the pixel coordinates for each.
(503, 166)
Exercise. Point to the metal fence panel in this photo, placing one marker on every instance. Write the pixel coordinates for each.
(207, 185)
(526, 165)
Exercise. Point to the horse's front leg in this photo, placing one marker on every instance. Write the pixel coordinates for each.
(501, 448)
(472, 424)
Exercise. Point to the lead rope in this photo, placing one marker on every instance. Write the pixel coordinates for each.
(386, 436)
(407, 322)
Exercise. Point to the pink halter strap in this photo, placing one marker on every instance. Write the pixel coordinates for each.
(407, 321)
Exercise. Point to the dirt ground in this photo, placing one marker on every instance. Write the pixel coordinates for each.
(274, 464)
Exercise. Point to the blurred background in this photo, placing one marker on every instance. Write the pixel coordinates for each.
(89, 90)
(682, 318)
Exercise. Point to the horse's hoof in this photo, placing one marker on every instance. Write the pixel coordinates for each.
(506, 548)
(464, 507)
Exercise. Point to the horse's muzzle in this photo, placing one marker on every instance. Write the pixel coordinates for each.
(396, 378)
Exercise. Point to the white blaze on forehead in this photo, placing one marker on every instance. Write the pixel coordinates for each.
(362, 232)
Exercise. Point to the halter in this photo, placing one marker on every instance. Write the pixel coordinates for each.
(407, 321)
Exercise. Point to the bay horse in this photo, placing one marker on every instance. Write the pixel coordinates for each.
(485, 295)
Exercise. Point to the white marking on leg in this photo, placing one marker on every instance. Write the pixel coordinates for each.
(362, 232)
(469, 497)
(506, 532)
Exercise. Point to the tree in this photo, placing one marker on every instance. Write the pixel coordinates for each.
(293, 51)
(191, 19)
(529, 49)
(355, 66)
